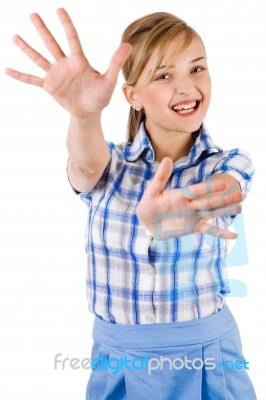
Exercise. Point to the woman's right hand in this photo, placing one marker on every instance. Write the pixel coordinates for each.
(179, 212)
(71, 80)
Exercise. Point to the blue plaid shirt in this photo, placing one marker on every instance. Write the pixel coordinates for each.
(133, 278)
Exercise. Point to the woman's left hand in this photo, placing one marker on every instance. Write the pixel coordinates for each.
(178, 212)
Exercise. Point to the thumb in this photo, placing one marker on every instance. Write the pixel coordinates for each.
(117, 61)
(162, 175)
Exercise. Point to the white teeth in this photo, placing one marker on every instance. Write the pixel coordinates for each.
(180, 107)
(186, 111)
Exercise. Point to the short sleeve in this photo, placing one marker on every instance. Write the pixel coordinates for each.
(237, 163)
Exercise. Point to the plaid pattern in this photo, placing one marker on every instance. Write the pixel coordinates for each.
(135, 279)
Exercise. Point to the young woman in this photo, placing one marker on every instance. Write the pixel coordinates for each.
(155, 283)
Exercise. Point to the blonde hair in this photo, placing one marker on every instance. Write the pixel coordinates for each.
(153, 31)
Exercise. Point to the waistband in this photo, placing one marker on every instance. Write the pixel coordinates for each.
(164, 334)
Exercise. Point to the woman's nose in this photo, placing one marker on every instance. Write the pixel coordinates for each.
(184, 86)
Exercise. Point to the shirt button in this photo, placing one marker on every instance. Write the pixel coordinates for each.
(150, 318)
(149, 270)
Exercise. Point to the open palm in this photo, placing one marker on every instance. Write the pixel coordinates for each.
(71, 80)
(178, 212)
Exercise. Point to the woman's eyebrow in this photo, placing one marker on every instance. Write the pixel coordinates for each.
(165, 66)
(172, 66)
(197, 59)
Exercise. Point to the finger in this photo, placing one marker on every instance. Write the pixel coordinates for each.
(215, 231)
(231, 195)
(233, 188)
(162, 175)
(202, 189)
(47, 37)
(70, 31)
(221, 212)
(117, 62)
(26, 78)
(220, 201)
(214, 201)
(37, 58)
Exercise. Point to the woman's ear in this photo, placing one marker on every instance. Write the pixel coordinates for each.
(130, 95)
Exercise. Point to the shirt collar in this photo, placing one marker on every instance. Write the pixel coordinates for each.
(202, 148)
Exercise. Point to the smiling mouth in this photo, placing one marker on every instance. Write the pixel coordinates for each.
(186, 108)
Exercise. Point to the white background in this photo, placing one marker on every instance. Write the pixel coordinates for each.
(42, 223)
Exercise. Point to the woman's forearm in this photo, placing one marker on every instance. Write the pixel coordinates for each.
(86, 144)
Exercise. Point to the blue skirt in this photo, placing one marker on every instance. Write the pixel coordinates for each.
(191, 360)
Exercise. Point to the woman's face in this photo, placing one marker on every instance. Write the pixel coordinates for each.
(178, 96)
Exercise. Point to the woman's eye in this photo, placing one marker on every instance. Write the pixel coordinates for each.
(162, 77)
(198, 68)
